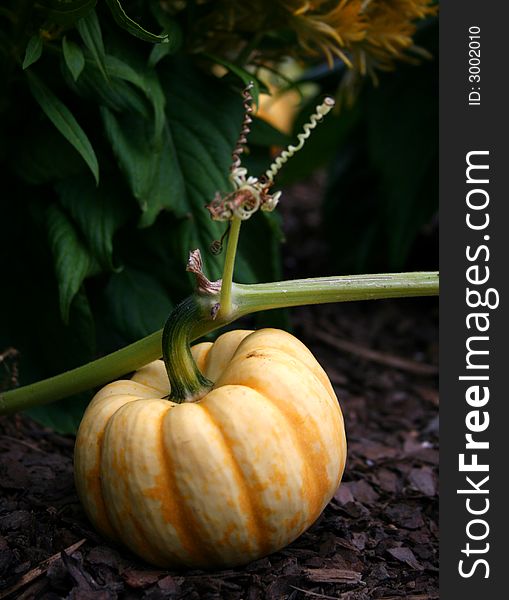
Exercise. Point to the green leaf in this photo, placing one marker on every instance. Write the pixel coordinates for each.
(264, 134)
(151, 169)
(401, 120)
(47, 158)
(72, 345)
(171, 28)
(65, 12)
(138, 303)
(33, 51)
(72, 260)
(116, 93)
(132, 146)
(63, 416)
(73, 56)
(157, 53)
(145, 80)
(204, 119)
(119, 96)
(90, 31)
(122, 70)
(175, 39)
(155, 94)
(98, 211)
(64, 121)
(245, 76)
(131, 26)
(260, 261)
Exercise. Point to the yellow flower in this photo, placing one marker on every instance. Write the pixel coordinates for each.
(391, 27)
(365, 34)
(330, 32)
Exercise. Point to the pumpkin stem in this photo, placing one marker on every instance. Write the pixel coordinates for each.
(186, 381)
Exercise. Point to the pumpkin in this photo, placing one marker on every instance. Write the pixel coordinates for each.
(223, 480)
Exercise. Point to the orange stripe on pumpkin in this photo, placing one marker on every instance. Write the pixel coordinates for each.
(250, 505)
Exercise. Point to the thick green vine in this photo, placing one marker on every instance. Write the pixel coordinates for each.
(246, 299)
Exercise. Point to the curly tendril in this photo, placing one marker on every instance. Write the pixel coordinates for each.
(245, 129)
(250, 193)
(315, 118)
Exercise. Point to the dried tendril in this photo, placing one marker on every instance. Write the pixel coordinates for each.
(251, 193)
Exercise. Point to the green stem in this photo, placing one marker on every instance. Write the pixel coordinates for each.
(298, 292)
(247, 299)
(82, 378)
(186, 381)
(229, 263)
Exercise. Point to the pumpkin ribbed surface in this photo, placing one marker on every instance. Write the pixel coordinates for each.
(222, 481)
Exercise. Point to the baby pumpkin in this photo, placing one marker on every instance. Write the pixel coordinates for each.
(223, 480)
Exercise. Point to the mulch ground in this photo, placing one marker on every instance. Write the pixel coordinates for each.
(378, 537)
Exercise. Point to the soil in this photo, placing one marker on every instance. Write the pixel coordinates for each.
(378, 537)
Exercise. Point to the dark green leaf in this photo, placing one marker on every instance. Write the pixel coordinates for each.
(33, 51)
(175, 39)
(131, 26)
(171, 28)
(138, 303)
(158, 53)
(63, 416)
(98, 212)
(65, 12)
(204, 119)
(122, 70)
(203, 122)
(90, 31)
(155, 94)
(72, 260)
(264, 134)
(145, 80)
(74, 343)
(34, 327)
(245, 76)
(64, 121)
(151, 169)
(131, 145)
(74, 58)
(401, 118)
(116, 93)
(71, 345)
(259, 255)
(47, 158)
